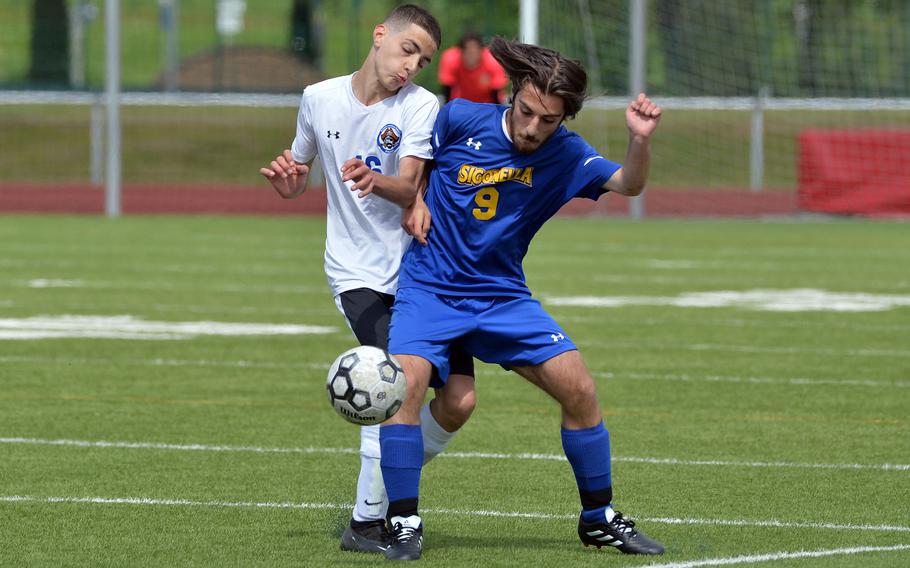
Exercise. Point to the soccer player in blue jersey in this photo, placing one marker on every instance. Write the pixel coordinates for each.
(500, 173)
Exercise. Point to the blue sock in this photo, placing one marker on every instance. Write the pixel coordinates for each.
(402, 459)
(594, 515)
(588, 452)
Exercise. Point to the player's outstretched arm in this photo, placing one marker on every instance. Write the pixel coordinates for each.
(642, 117)
(289, 178)
(400, 190)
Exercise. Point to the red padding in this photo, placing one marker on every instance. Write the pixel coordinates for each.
(865, 172)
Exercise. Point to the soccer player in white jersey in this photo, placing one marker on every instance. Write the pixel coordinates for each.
(372, 132)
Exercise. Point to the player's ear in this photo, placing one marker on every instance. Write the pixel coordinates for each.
(379, 33)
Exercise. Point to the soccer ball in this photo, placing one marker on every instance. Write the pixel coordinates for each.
(366, 385)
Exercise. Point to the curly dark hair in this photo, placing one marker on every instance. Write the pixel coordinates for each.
(550, 72)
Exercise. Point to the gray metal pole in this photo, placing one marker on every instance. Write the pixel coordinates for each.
(170, 18)
(112, 91)
(529, 14)
(637, 55)
(584, 13)
(757, 142)
(77, 47)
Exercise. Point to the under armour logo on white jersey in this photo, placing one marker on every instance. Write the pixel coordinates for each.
(557, 337)
(476, 145)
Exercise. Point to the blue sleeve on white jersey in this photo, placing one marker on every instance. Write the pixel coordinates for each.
(591, 173)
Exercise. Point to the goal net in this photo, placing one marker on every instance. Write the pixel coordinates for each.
(760, 97)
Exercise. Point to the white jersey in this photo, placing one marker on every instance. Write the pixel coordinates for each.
(364, 241)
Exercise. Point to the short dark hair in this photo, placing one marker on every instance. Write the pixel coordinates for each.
(468, 37)
(406, 14)
(547, 70)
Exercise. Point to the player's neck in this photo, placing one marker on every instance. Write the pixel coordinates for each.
(366, 86)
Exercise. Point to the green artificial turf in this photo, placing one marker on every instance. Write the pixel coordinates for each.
(735, 432)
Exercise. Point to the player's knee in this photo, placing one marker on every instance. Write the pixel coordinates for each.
(460, 409)
(581, 398)
(456, 404)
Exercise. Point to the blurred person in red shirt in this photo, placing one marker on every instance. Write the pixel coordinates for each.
(468, 71)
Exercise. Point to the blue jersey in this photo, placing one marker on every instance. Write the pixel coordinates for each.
(487, 201)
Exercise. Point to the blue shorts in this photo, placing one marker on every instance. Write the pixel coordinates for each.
(511, 332)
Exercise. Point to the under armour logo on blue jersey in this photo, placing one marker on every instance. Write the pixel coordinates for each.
(476, 145)
(557, 337)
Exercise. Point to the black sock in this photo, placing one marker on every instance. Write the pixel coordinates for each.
(402, 508)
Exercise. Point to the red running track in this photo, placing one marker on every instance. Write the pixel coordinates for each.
(262, 200)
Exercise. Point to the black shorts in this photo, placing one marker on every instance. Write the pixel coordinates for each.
(369, 312)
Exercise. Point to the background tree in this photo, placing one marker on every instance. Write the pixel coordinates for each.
(50, 42)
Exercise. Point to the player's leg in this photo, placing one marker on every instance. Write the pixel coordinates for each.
(368, 313)
(452, 405)
(402, 450)
(422, 330)
(541, 351)
(586, 443)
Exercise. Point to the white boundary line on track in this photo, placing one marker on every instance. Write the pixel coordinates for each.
(755, 558)
(445, 511)
(452, 455)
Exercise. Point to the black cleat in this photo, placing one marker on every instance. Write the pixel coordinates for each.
(619, 533)
(370, 536)
(407, 538)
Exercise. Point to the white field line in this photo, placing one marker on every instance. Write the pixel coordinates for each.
(797, 381)
(170, 285)
(770, 557)
(453, 455)
(196, 254)
(742, 323)
(444, 511)
(641, 250)
(773, 300)
(195, 309)
(131, 327)
(178, 447)
(158, 362)
(797, 350)
(749, 349)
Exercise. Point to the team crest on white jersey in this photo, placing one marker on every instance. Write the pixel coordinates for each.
(389, 138)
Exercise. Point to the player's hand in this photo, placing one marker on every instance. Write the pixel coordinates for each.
(642, 116)
(286, 176)
(363, 177)
(415, 220)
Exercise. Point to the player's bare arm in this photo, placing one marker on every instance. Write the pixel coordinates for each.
(642, 117)
(415, 220)
(288, 177)
(400, 190)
